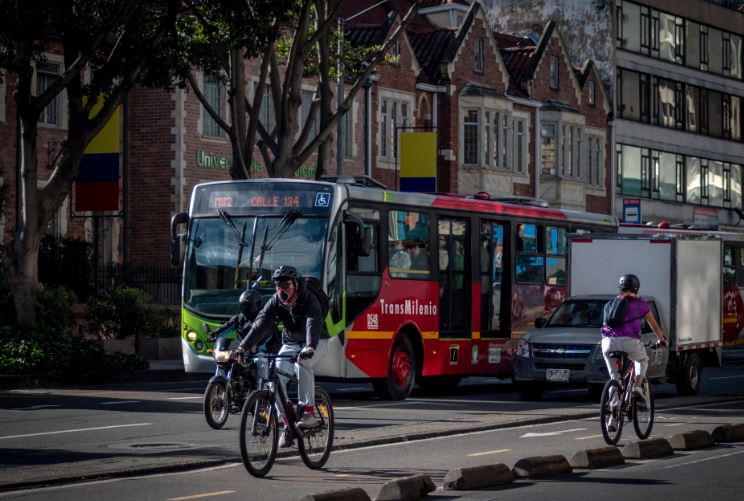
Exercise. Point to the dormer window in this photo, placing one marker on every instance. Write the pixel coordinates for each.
(554, 72)
(395, 48)
(480, 56)
(592, 93)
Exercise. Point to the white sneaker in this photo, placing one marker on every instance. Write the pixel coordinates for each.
(642, 393)
(284, 439)
(308, 420)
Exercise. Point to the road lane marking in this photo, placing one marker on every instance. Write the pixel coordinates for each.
(75, 430)
(476, 454)
(587, 437)
(725, 377)
(36, 407)
(550, 433)
(186, 398)
(201, 496)
(719, 456)
(120, 402)
(670, 425)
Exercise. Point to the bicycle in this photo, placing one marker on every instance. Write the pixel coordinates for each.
(259, 423)
(619, 402)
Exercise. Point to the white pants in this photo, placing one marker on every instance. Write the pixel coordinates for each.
(632, 346)
(303, 369)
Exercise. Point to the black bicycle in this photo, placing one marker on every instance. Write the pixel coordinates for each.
(259, 424)
(620, 403)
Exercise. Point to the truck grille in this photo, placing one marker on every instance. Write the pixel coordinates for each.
(562, 351)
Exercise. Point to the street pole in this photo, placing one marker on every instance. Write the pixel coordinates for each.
(340, 132)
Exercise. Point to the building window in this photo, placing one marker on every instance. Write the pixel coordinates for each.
(266, 115)
(470, 137)
(487, 138)
(548, 153)
(577, 152)
(46, 74)
(480, 55)
(594, 163)
(592, 93)
(213, 91)
(505, 142)
(554, 72)
(307, 106)
(2, 96)
(395, 117)
(519, 145)
(395, 48)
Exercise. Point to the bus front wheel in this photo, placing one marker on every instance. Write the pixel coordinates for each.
(401, 372)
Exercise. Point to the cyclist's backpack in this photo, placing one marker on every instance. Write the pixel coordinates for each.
(614, 311)
(313, 285)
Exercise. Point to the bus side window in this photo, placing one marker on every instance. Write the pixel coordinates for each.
(555, 250)
(363, 272)
(530, 267)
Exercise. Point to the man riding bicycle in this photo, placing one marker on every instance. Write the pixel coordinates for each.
(627, 337)
(304, 334)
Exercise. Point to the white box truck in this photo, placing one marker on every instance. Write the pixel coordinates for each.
(682, 274)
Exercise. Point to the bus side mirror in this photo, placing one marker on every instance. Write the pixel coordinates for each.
(175, 250)
(359, 237)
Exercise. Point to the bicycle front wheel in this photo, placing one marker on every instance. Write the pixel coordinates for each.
(609, 414)
(643, 415)
(216, 404)
(259, 435)
(315, 444)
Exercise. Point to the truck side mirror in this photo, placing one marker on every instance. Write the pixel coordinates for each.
(359, 238)
(175, 250)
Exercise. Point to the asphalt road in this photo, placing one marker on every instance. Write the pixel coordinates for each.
(53, 436)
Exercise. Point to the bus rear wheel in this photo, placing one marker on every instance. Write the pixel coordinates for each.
(401, 372)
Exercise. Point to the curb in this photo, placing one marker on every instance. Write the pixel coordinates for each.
(597, 458)
(475, 477)
(542, 466)
(697, 439)
(350, 494)
(729, 433)
(648, 449)
(406, 489)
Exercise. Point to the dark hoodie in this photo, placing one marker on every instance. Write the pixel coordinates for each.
(303, 323)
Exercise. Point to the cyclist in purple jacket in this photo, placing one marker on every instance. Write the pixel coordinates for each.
(627, 337)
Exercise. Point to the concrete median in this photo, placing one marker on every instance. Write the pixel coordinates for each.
(600, 457)
(647, 449)
(729, 433)
(351, 494)
(697, 439)
(406, 489)
(542, 466)
(477, 477)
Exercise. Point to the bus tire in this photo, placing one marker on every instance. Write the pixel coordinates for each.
(688, 380)
(401, 372)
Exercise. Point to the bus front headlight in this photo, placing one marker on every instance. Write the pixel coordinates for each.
(523, 349)
(191, 336)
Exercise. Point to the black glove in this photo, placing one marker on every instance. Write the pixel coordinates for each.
(307, 352)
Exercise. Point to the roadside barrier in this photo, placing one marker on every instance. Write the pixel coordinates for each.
(351, 494)
(648, 449)
(698, 439)
(477, 477)
(729, 433)
(406, 489)
(541, 466)
(600, 457)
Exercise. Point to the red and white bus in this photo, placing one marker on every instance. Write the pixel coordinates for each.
(732, 270)
(425, 288)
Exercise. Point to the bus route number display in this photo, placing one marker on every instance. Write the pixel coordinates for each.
(276, 200)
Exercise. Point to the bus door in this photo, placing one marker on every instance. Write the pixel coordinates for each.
(363, 277)
(494, 286)
(454, 277)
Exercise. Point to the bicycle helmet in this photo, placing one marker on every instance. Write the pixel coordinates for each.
(630, 283)
(285, 273)
(250, 303)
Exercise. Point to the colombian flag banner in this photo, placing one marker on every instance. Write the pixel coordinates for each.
(418, 161)
(97, 186)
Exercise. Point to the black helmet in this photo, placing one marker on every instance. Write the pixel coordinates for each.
(250, 303)
(285, 273)
(630, 283)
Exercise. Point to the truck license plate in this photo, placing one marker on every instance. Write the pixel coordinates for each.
(558, 375)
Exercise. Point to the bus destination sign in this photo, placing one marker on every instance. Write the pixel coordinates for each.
(232, 199)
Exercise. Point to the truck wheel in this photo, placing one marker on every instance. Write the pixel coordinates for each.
(530, 392)
(688, 381)
(401, 371)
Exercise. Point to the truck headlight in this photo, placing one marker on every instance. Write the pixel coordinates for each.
(523, 349)
(221, 355)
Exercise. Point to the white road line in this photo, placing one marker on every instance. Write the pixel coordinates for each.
(202, 496)
(477, 454)
(587, 437)
(75, 430)
(726, 377)
(670, 425)
(120, 402)
(719, 456)
(35, 407)
(186, 398)
(550, 433)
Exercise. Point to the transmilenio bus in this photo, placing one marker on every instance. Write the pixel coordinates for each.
(425, 288)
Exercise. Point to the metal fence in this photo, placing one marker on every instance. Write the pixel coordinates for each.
(161, 284)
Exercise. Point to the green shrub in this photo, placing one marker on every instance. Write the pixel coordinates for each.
(61, 356)
(66, 262)
(122, 314)
(55, 308)
(162, 322)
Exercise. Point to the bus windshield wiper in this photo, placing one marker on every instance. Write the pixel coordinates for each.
(287, 221)
(227, 218)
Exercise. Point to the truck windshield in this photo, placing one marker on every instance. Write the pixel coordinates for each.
(217, 270)
(578, 314)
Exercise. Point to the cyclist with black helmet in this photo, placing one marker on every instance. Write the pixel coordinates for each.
(304, 334)
(627, 337)
(250, 305)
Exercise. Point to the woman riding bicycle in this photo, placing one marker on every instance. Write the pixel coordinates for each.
(627, 337)
(304, 334)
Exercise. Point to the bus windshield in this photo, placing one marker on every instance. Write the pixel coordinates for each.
(217, 270)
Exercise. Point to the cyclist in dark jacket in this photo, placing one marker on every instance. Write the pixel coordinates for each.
(250, 304)
(304, 334)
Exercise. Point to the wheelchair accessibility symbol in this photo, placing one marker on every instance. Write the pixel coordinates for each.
(322, 199)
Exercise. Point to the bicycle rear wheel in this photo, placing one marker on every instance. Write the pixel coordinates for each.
(643, 416)
(259, 433)
(610, 416)
(315, 444)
